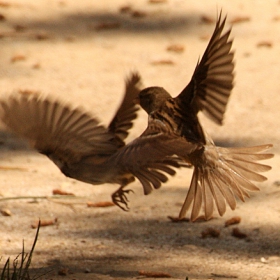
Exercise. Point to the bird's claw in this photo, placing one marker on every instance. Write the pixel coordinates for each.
(119, 197)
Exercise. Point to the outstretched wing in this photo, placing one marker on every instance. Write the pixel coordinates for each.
(54, 129)
(153, 155)
(222, 175)
(212, 81)
(124, 117)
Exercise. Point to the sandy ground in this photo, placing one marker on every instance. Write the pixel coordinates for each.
(63, 48)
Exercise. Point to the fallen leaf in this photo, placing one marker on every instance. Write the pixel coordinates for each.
(138, 14)
(157, 1)
(163, 62)
(276, 18)
(45, 223)
(13, 168)
(233, 221)
(6, 212)
(154, 274)
(125, 9)
(240, 19)
(36, 66)
(42, 36)
(238, 234)
(266, 44)
(210, 232)
(204, 37)
(100, 204)
(5, 4)
(61, 192)
(206, 19)
(175, 48)
(2, 17)
(18, 57)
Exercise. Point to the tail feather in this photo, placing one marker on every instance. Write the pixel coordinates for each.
(246, 151)
(247, 172)
(207, 193)
(224, 182)
(221, 175)
(197, 203)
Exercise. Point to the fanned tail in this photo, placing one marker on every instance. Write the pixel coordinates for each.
(221, 175)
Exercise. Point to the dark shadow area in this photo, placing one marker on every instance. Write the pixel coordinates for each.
(157, 238)
(82, 25)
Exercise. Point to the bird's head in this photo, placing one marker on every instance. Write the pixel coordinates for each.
(153, 98)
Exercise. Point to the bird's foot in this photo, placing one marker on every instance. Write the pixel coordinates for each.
(119, 197)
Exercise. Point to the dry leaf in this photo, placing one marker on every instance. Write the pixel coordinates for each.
(276, 18)
(42, 36)
(13, 168)
(100, 204)
(157, 1)
(107, 25)
(178, 220)
(163, 62)
(233, 221)
(210, 232)
(175, 48)
(138, 14)
(125, 9)
(154, 274)
(239, 19)
(5, 4)
(61, 192)
(204, 37)
(206, 19)
(266, 44)
(36, 65)
(2, 17)
(18, 57)
(44, 223)
(6, 212)
(238, 234)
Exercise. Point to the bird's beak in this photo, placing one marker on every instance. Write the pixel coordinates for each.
(136, 100)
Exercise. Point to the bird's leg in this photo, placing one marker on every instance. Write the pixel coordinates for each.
(119, 197)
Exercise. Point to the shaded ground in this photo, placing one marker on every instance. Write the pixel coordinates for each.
(62, 48)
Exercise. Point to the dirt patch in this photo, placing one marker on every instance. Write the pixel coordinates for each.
(65, 53)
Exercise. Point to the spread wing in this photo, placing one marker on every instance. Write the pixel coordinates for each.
(123, 119)
(212, 81)
(221, 175)
(152, 154)
(54, 129)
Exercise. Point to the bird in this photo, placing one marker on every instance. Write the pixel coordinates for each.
(86, 150)
(220, 174)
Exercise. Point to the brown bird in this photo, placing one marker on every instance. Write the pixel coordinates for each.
(219, 174)
(84, 149)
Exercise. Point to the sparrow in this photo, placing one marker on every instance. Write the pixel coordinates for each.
(220, 174)
(84, 149)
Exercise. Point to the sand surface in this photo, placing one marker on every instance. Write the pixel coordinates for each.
(80, 52)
